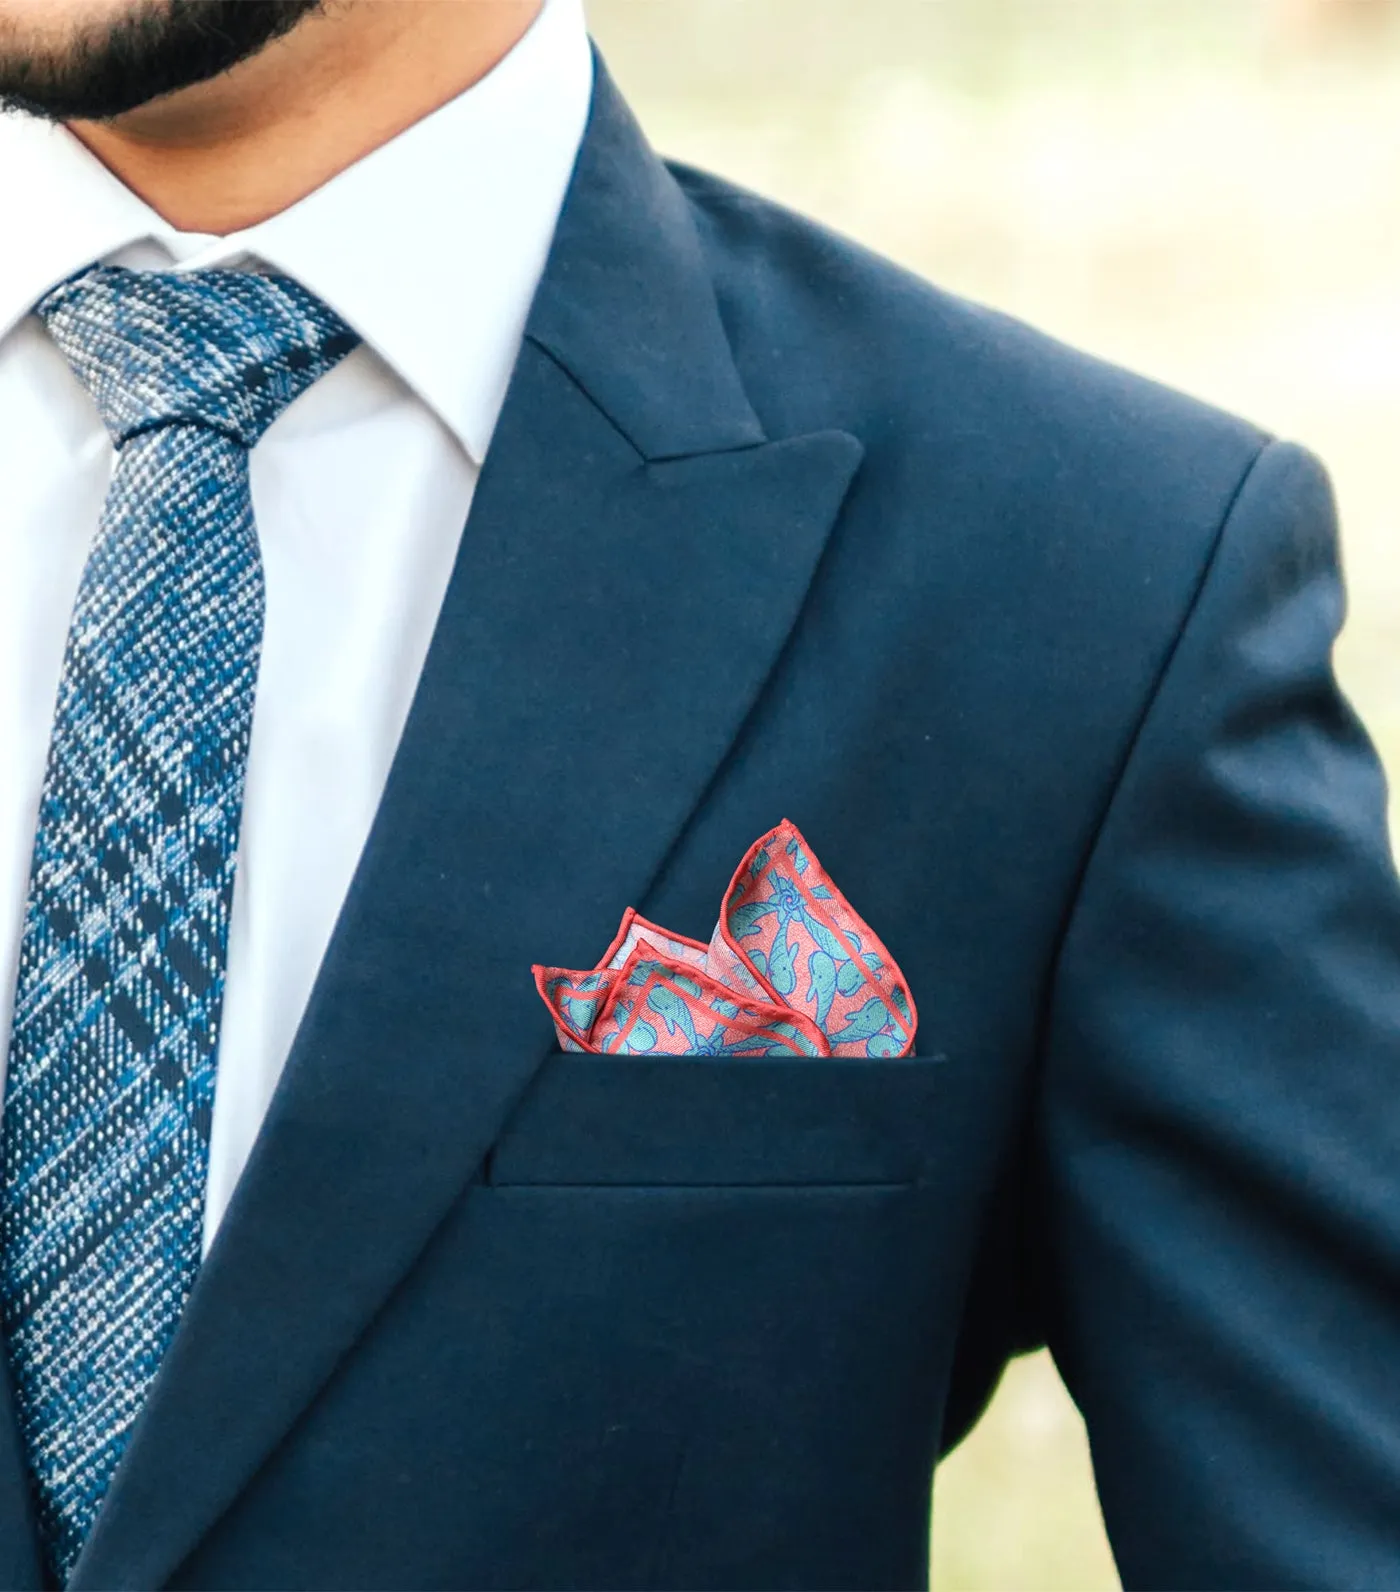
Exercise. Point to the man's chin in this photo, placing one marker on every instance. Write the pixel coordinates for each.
(91, 60)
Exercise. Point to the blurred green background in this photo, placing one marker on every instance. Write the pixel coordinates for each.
(1205, 190)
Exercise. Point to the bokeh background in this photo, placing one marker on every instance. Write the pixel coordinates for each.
(1205, 190)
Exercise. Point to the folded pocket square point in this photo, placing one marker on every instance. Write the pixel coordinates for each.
(791, 969)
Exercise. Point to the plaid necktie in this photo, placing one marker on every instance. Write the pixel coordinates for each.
(104, 1141)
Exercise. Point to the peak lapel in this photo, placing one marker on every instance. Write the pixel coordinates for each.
(636, 557)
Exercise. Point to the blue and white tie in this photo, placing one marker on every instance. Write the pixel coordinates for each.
(104, 1140)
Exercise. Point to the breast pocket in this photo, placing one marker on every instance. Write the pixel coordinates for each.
(721, 1279)
(725, 1122)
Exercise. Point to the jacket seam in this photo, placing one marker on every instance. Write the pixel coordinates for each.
(1135, 734)
(1030, 1321)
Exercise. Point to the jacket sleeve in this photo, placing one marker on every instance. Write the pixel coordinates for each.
(1219, 1116)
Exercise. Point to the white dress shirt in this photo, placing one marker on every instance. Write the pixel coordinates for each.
(431, 248)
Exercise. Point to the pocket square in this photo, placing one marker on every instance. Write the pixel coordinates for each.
(791, 970)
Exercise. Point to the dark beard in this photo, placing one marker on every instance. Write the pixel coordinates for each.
(160, 46)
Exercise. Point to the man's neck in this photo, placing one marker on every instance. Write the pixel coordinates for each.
(226, 154)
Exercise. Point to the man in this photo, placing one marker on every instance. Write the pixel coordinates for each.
(321, 1265)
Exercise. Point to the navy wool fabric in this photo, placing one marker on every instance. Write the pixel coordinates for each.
(110, 1087)
(1037, 656)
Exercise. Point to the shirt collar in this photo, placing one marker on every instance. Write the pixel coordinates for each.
(431, 247)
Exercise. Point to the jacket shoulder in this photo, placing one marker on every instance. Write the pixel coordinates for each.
(1031, 528)
(828, 334)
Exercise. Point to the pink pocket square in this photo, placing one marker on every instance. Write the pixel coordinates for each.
(791, 970)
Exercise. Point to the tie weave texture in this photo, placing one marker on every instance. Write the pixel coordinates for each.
(104, 1139)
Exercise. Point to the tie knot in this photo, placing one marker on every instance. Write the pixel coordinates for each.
(224, 349)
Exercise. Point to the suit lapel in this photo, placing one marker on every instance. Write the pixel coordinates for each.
(19, 1543)
(636, 556)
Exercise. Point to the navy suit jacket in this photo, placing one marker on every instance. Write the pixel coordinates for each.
(1037, 656)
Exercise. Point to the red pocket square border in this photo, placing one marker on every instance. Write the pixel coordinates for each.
(792, 969)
